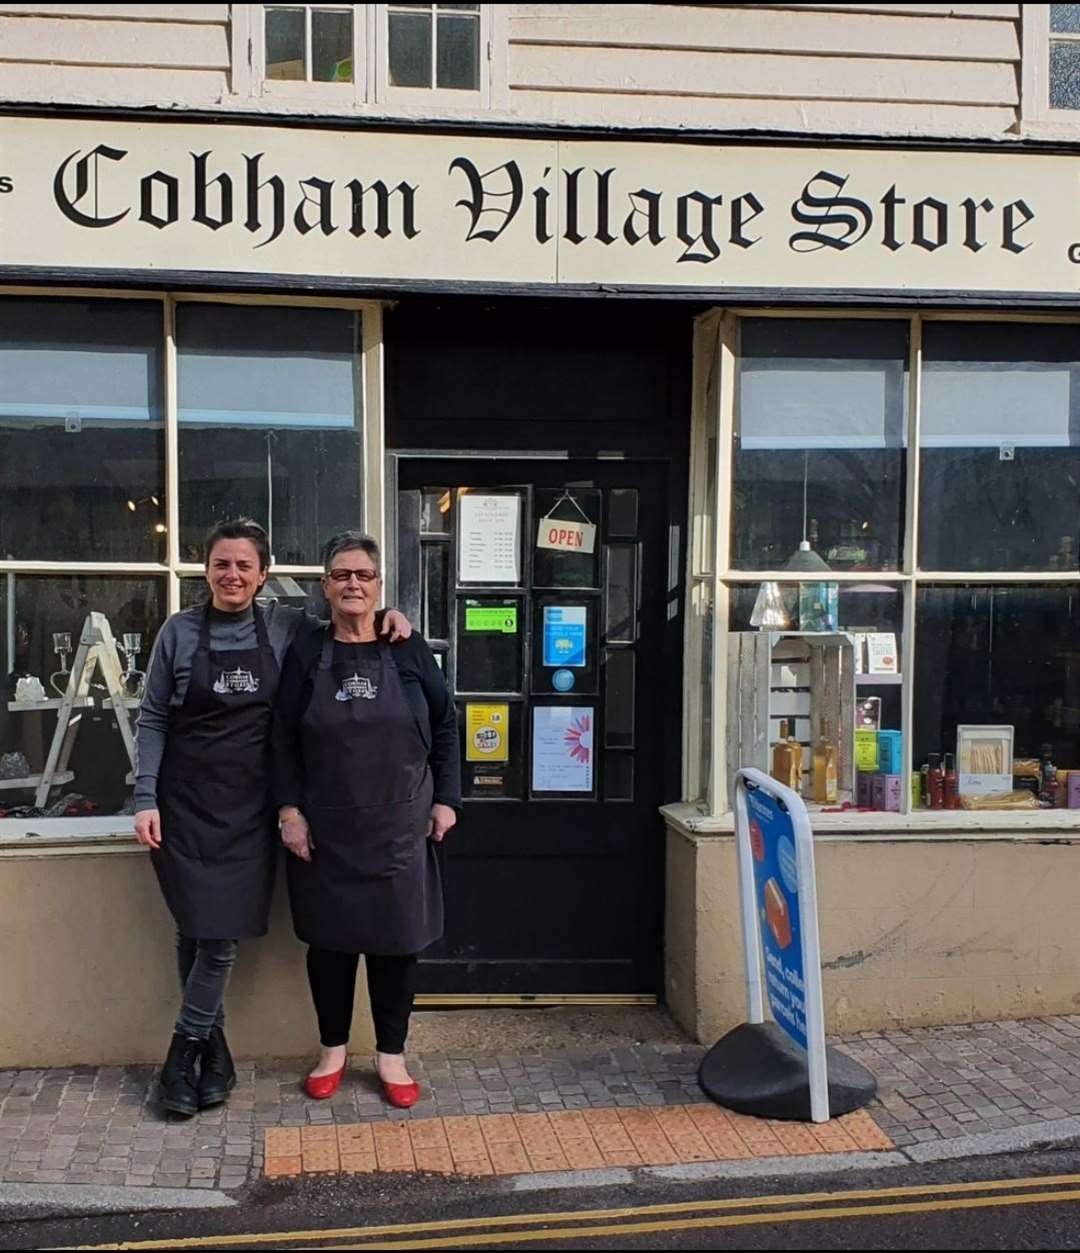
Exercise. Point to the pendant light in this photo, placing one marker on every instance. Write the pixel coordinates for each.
(770, 611)
(804, 560)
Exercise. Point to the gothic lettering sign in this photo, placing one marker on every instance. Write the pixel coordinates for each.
(370, 206)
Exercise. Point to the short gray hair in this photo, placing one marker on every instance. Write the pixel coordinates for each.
(349, 542)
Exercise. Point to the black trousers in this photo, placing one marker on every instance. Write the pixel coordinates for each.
(390, 987)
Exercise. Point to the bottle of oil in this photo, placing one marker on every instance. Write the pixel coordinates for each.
(825, 790)
(787, 757)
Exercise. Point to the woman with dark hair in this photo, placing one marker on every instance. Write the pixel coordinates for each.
(367, 779)
(202, 798)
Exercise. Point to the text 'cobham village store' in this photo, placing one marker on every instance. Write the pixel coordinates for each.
(684, 455)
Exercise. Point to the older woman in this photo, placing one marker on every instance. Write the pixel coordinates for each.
(367, 777)
(201, 796)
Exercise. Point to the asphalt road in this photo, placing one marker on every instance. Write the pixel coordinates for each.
(1022, 1201)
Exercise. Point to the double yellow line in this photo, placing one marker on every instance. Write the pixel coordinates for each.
(508, 1230)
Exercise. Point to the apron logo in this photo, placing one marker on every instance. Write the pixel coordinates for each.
(355, 686)
(233, 681)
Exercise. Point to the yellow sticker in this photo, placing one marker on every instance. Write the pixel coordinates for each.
(487, 732)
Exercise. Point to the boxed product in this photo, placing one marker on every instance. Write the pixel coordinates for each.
(887, 789)
(819, 606)
(890, 752)
(864, 790)
(866, 750)
(1074, 789)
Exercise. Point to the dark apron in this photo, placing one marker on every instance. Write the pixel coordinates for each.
(218, 839)
(372, 885)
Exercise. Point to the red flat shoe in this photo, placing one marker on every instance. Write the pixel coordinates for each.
(401, 1095)
(321, 1087)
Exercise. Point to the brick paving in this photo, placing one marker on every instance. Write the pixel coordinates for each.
(511, 1144)
(100, 1125)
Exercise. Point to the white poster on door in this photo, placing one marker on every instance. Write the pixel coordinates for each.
(562, 754)
(489, 539)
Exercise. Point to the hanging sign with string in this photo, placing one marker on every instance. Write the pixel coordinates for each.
(574, 535)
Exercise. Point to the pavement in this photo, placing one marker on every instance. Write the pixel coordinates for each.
(569, 1098)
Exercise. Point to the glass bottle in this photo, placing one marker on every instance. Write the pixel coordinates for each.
(935, 783)
(787, 757)
(825, 789)
(951, 783)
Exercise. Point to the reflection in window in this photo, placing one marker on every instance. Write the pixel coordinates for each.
(269, 411)
(999, 656)
(820, 419)
(81, 419)
(305, 43)
(41, 622)
(1065, 56)
(434, 45)
(1000, 431)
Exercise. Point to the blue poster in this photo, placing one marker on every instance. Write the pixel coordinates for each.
(776, 898)
(564, 635)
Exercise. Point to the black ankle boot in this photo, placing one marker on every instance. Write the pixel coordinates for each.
(179, 1084)
(217, 1075)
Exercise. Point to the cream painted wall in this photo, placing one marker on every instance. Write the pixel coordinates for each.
(87, 972)
(920, 69)
(913, 932)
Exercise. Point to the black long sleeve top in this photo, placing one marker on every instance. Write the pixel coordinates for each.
(425, 690)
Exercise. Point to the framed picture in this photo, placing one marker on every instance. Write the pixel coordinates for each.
(984, 760)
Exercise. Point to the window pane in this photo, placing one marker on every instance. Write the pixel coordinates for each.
(81, 422)
(622, 593)
(618, 776)
(33, 610)
(269, 409)
(435, 619)
(435, 511)
(619, 698)
(285, 43)
(1065, 18)
(999, 656)
(1000, 430)
(489, 632)
(332, 46)
(303, 592)
(623, 512)
(554, 567)
(459, 53)
(410, 49)
(821, 412)
(1064, 74)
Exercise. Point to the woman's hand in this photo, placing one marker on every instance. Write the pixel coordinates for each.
(396, 626)
(442, 819)
(295, 834)
(148, 828)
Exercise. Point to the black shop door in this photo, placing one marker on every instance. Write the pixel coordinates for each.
(548, 589)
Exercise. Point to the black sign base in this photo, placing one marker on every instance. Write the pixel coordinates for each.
(755, 1069)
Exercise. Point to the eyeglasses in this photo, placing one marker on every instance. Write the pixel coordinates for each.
(364, 576)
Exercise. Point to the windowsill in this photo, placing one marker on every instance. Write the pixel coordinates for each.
(1039, 824)
(58, 835)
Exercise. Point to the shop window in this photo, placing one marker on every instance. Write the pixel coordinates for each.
(434, 46)
(309, 43)
(81, 430)
(269, 411)
(1003, 661)
(43, 622)
(1000, 434)
(819, 443)
(1064, 56)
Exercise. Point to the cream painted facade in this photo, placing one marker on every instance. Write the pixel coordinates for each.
(921, 922)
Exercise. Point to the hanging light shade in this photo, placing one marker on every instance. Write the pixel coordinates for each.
(769, 609)
(805, 561)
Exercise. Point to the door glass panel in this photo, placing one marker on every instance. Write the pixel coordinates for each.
(564, 566)
(618, 776)
(564, 751)
(492, 749)
(564, 645)
(435, 511)
(489, 529)
(489, 636)
(622, 593)
(436, 605)
(619, 698)
(622, 511)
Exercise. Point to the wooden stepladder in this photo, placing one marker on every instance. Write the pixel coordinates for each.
(96, 651)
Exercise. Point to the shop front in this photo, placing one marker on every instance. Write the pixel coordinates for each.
(683, 456)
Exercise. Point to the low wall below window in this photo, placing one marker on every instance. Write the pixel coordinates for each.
(914, 931)
(88, 973)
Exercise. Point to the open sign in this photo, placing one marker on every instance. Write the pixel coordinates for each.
(566, 537)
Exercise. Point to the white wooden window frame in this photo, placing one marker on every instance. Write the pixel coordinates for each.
(419, 101)
(709, 556)
(1037, 119)
(41, 833)
(341, 97)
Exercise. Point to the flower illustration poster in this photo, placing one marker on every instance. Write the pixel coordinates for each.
(562, 759)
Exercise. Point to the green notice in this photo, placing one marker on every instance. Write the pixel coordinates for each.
(501, 618)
